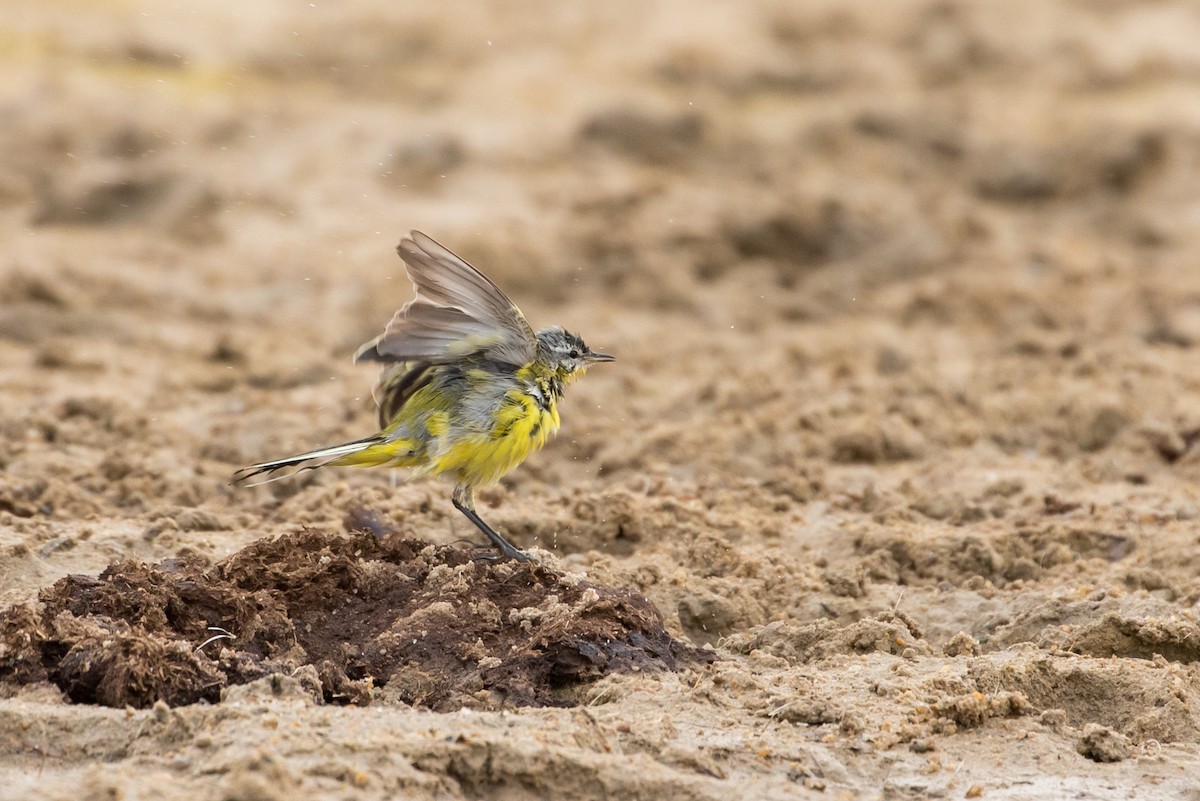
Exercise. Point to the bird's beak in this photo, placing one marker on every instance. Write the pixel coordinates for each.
(599, 357)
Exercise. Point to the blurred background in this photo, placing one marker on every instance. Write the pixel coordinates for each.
(843, 250)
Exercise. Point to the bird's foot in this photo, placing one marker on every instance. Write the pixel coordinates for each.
(488, 552)
(508, 551)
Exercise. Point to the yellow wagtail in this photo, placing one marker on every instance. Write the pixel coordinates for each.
(468, 389)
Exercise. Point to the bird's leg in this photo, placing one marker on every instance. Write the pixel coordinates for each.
(464, 501)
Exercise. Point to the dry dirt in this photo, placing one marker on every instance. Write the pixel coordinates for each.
(904, 428)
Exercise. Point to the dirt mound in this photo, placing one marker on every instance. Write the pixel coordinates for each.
(1142, 700)
(1136, 626)
(431, 625)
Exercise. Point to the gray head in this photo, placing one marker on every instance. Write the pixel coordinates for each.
(566, 352)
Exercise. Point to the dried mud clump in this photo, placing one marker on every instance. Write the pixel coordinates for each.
(1102, 744)
(373, 616)
(802, 643)
(975, 708)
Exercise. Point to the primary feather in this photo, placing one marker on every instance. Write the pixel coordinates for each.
(457, 312)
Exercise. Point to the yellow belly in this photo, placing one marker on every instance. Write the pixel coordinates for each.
(520, 427)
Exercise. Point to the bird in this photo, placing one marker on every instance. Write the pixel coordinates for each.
(467, 389)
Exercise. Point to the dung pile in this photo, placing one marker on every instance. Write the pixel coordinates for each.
(427, 625)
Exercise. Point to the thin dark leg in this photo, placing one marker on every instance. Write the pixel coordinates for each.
(465, 503)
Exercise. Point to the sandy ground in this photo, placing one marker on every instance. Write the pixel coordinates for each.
(905, 424)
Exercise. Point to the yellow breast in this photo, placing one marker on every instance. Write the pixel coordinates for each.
(521, 425)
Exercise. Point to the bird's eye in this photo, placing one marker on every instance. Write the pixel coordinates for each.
(574, 354)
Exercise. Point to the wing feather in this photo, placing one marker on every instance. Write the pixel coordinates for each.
(397, 383)
(457, 312)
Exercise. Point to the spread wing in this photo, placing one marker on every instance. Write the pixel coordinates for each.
(457, 312)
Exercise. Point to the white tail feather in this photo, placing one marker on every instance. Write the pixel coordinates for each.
(322, 457)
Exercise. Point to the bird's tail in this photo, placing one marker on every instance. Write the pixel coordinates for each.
(369, 451)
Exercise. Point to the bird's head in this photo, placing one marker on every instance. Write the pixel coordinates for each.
(566, 353)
